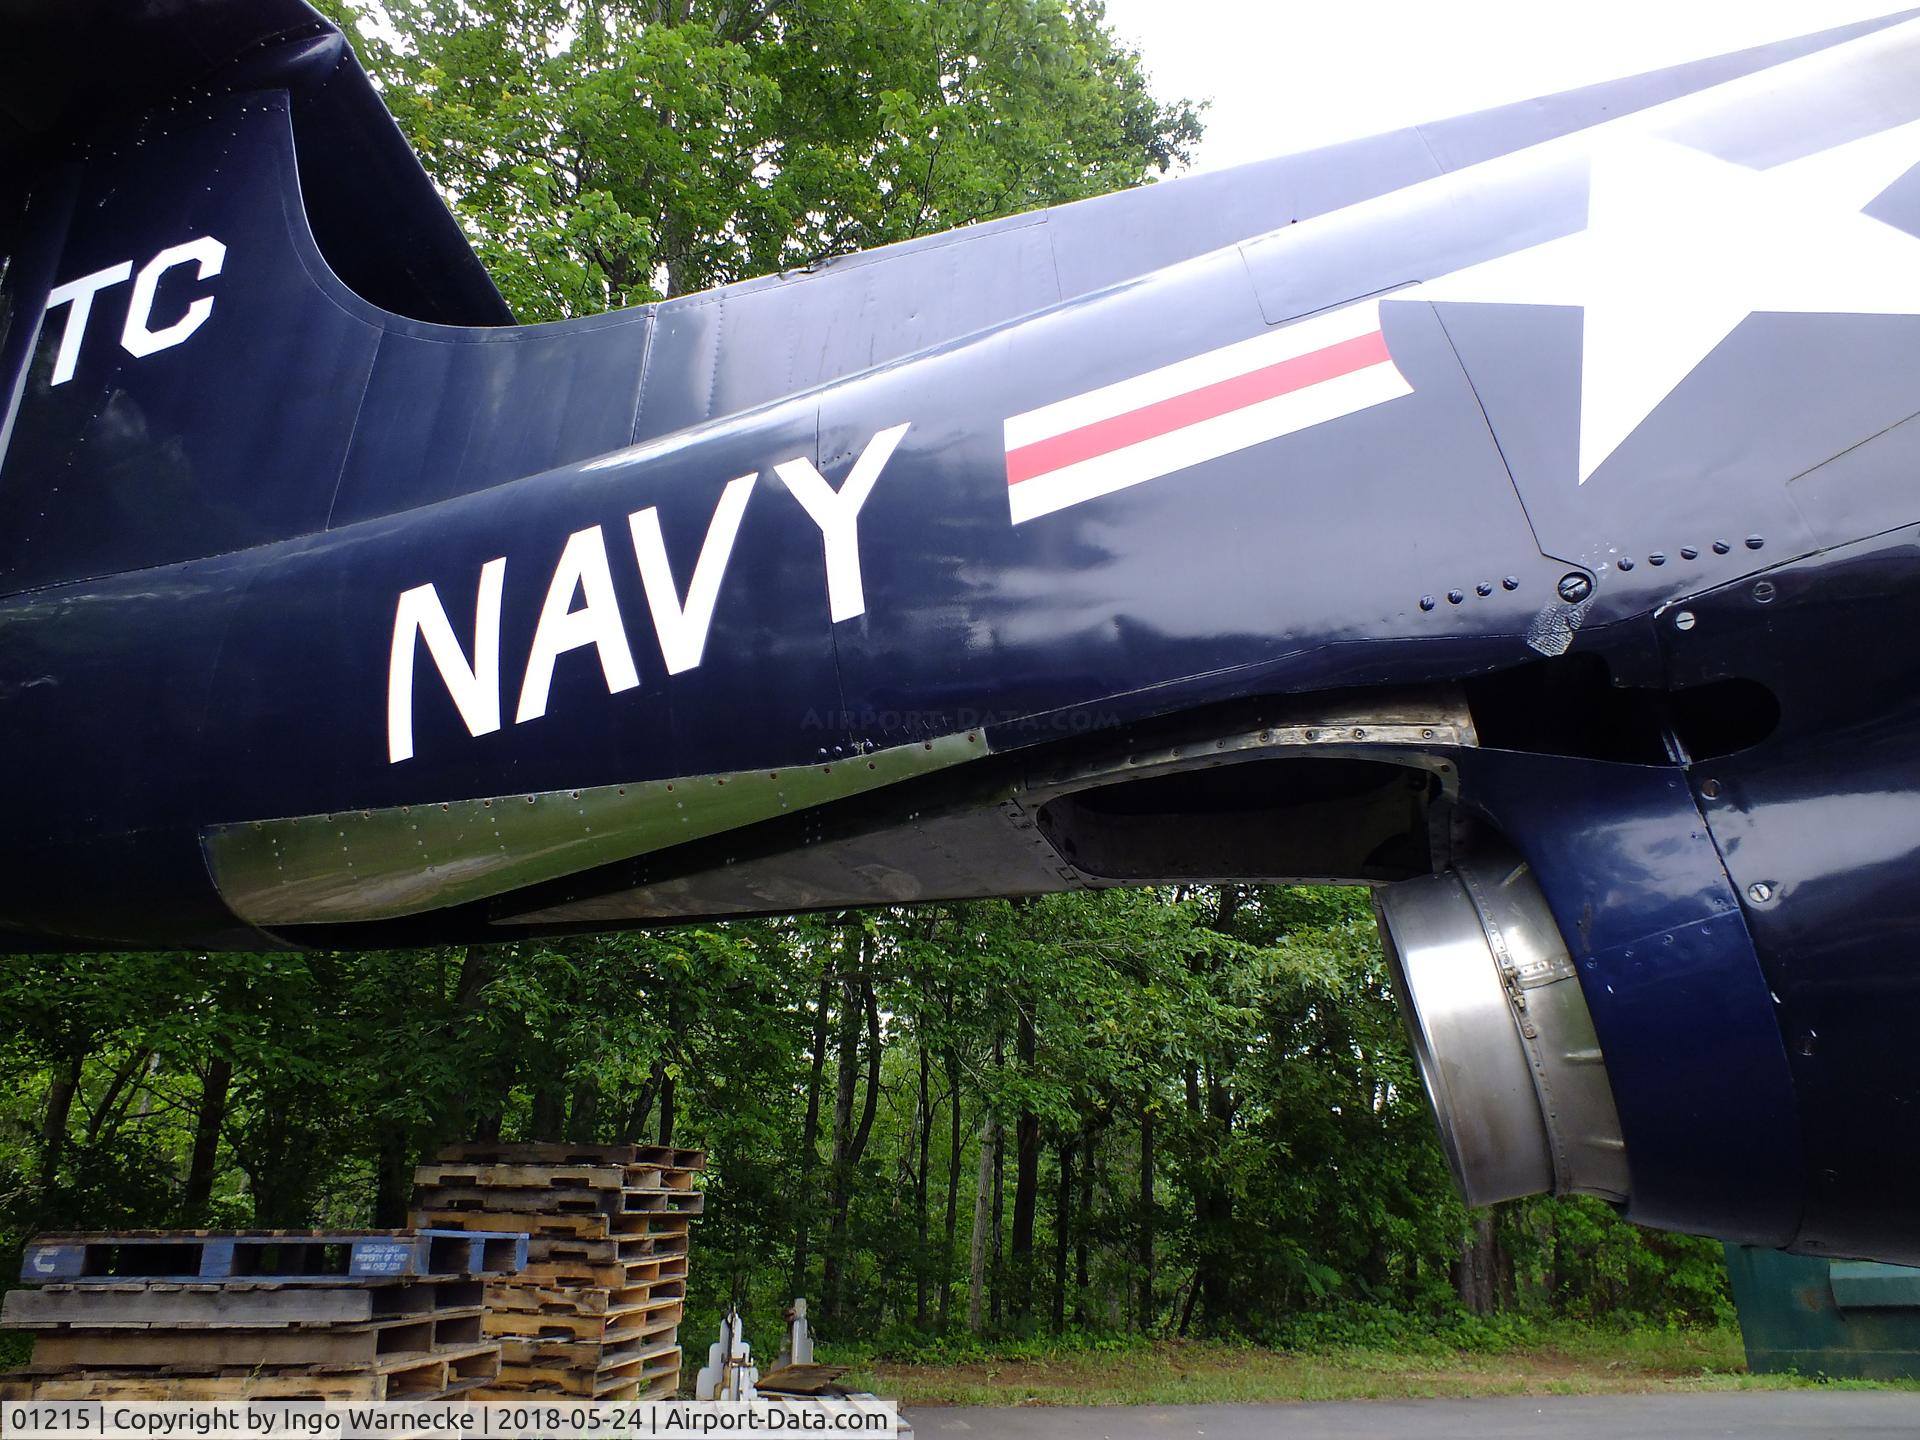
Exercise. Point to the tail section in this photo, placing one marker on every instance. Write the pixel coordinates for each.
(181, 368)
(182, 393)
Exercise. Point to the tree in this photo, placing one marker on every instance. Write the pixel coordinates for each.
(603, 153)
(1232, 1131)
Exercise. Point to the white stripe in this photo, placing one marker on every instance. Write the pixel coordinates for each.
(1206, 440)
(1302, 338)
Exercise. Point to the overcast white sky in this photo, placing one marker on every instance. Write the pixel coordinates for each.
(1286, 75)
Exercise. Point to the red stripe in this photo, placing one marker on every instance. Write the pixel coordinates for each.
(1178, 411)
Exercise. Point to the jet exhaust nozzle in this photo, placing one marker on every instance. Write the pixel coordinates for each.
(1502, 1034)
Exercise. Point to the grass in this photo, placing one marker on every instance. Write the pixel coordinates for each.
(1537, 1359)
(1561, 1360)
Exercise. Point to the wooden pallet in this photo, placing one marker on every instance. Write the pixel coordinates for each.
(290, 1256)
(525, 1299)
(618, 1349)
(802, 1380)
(630, 1322)
(186, 1305)
(643, 1368)
(579, 1384)
(539, 1152)
(520, 1200)
(363, 1344)
(590, 1225)
(553, 1177)
(623, 1250)
(661, 1383)
(431, 1376)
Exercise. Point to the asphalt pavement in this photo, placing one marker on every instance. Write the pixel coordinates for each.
(1735, 1415)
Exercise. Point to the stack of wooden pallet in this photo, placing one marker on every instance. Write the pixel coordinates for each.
(596, 1313)
(264, 1314)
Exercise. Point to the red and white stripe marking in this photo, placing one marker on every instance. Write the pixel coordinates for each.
(1199, 409)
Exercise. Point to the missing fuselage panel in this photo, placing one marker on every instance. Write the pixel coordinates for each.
(1310, 818)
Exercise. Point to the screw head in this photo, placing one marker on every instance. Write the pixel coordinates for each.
(1763, 591)
(1575, 587)
(1683, 621)
(1760, 892)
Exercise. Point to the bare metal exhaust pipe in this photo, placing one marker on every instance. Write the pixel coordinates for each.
(1502, 1034)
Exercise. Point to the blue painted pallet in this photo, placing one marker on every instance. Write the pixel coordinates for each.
(316, 1257)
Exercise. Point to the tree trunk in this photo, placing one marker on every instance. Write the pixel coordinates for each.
(1062, 1228)
(53, 1130)
(1476, 1274)
(549, 1113)
(583, 1116)
(810, 1131)
(635, 1126)
(1213, 1212)
(143, 1099)
(1186, 1310)
(997, 1273)
(202, 1165)
(669, 1083)
(669, 1106)
(982, 1212)
(875, 1054)
(1146, 1213)
(476, 973)
(1026, 1184)
(135, 1062)
(847, 1080)
(953, 1186)
(921, 1269)
(1082, 1276)
(491, 1118)
(1211, 1101)
(478, 1112)
(393, 1177)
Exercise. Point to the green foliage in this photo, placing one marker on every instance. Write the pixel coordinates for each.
(1297, 1195)
(603, 153)
(902, 1346)
(1575, 1256)
(1444, 1328)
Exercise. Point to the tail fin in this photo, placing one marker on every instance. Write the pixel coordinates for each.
(179, 365)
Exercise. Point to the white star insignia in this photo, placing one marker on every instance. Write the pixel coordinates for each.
(1680, 247)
